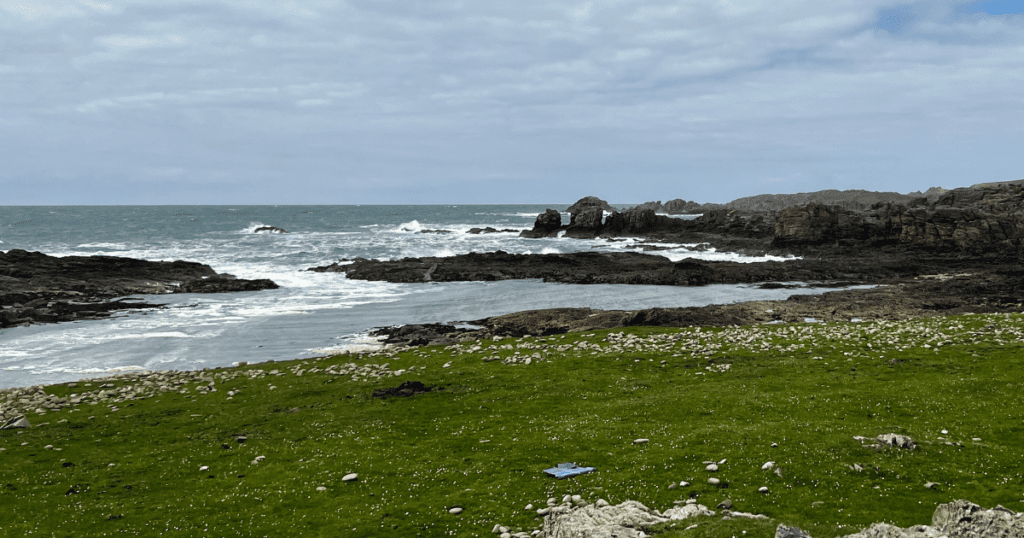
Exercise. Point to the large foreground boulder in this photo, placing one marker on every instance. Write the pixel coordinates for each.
(958, 519)
(602, 520)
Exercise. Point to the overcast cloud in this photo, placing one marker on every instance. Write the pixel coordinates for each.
(449, 101)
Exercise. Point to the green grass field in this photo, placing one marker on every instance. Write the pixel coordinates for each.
(482, 442)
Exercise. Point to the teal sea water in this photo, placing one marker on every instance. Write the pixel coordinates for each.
(313, 313)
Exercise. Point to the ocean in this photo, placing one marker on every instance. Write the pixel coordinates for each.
(312, 314)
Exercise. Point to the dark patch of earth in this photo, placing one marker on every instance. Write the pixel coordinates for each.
(405, 390)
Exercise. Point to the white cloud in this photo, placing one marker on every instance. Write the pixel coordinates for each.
(34, 10)
(730, 90)
(313, 102)
(142, 41)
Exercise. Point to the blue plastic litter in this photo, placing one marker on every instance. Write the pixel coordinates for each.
(565, 470)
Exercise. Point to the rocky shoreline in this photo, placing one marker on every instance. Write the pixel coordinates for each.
(37, 288)
(926, 296)
(957, 251)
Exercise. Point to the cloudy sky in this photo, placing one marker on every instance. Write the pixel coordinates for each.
(532, 101)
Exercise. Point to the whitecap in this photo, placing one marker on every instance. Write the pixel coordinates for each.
(119, 246)
(412, 226)
(251, 228)
(94, 370)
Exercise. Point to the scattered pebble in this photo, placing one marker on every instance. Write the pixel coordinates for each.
(321, 488)
(769, 465)
(714, 481)
(711, 468)
(204, 468)
(640, 441)
(455, 511)
(350, 477)
(683, 484)
(762, 489)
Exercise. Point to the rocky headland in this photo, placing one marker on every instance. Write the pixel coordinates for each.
(38, 288)
(952, 251)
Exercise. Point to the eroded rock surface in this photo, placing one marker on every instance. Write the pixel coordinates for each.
(958, 519)
(37, 288)
(548, 224)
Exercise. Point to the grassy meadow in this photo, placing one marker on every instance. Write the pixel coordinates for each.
(160, 456)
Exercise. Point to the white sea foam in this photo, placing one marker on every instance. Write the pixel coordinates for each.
(97, 372)
(154, 335)
(410, 227)
(680, 217)
(253, 226)
(353, 343)
(118, 246)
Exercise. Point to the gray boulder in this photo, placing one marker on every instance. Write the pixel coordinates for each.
(783, 531)
(626, 520)
(16, 422)
(887, 440)
(958, 519)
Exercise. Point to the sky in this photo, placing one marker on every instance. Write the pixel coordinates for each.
(532, 101)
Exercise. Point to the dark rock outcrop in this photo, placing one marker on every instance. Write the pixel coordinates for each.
(490, 230)
(685, 207)
(225, 284)
(587, 203)
(765, 203)
(37, 288)
(547, 224)
(269, 230)
(983, 221)
(637, 268)
(987, 291)
(586, 224)
(419, 334)
(640, 222)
